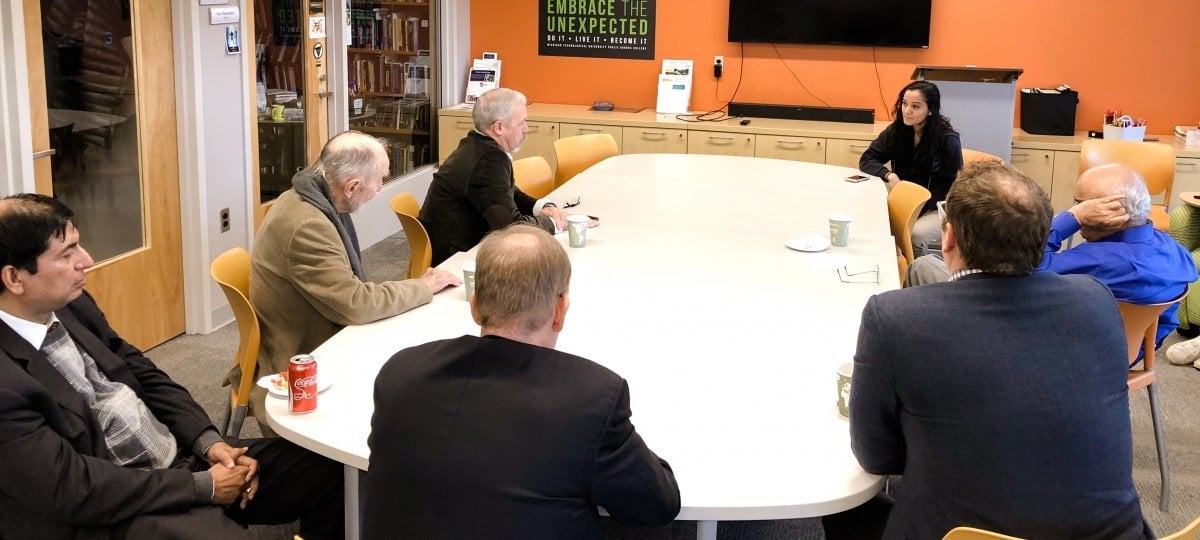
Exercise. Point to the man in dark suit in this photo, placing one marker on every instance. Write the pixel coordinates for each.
(473, 192)
(999, 395)
(96, 441)
(501, 436)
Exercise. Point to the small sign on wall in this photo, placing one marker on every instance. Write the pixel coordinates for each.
(597, 28)
(224, 15)
(233, 42)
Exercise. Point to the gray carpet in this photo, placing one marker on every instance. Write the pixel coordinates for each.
(198, 362)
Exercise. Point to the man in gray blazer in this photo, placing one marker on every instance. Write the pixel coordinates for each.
(999, 395)
(501, 436)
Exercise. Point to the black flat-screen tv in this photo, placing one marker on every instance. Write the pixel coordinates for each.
(884, 23)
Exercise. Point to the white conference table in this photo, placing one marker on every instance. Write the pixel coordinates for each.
(729, 340)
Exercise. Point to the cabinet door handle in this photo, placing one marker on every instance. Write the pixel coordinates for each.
(793, 144)
(860, 146)
(597, 130)
(654, 134)
(1190, 164)
(464, 123)
(534, 127)
(716, 139)
(1022, 154)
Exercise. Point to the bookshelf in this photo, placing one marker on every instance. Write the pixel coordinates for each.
(389, 63)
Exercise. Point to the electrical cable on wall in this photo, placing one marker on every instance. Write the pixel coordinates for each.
(879, 84)
(794, 76)
(718, 114)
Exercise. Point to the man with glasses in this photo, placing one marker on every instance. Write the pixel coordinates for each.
(473, 191)
(1000, 395)
(1139, 264)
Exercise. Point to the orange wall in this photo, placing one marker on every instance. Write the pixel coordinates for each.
(1141, 64)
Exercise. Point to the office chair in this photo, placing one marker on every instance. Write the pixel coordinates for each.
(231, 270)
(533, 176)
(971, 533)
(420, 255)
(1141, 329)
(904, 204)
(1190, 532)
(972, 156)
(575, 154)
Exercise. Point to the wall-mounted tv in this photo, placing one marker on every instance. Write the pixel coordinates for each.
(884, 23)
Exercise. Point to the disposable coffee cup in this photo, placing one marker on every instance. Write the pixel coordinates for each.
(469, 278)
(577, 226)
(844, 372)
(839, 229)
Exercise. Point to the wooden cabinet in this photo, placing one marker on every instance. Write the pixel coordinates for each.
(1038, 165)
(539, 141)
(808, 149)
(571, 130)
(1187, 178)
(640, 140)
(1066, 170)
(845, 152)
(720, 143)
(451, 130)
(390, 74)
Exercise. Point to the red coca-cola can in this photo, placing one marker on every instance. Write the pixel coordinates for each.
(302, 384)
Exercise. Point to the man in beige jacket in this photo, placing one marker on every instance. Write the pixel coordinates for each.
(306, 276)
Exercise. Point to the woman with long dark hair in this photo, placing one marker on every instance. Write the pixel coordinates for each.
(922, 148)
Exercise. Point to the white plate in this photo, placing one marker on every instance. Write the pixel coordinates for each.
(265, 382)
(811, 243)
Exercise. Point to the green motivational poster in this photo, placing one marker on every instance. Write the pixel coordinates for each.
(597, 28)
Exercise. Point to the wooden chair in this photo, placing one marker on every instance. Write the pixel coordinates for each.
(972, 156)
(1154, 161)
(1190, 532)
(533, 176)
(420, 256)
(575, 154)
(231, 270)
(1141, 329)
(904, 204)
(971, 533)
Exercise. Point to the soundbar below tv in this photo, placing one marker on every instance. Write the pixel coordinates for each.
(883, 23)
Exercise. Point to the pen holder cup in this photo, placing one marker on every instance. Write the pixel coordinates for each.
(1116, 133)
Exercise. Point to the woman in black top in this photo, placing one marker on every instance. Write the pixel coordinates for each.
(923, 148)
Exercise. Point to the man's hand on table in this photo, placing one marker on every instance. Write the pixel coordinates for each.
(558, 215)
(439, 279)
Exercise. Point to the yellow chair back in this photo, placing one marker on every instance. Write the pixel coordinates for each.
(420, 255)
(231, 270)
(533, 176)
(575, 154)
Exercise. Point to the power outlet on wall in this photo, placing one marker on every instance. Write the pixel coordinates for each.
(224, 220)
(718, 66)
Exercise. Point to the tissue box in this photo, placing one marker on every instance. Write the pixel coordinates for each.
(1116, 133)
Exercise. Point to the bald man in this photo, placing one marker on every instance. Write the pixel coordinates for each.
(306, 276)
(1139, 264)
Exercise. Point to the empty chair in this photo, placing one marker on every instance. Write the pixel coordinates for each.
(533, 176)
(420, 256)
(575, 154)
(231, 270)
(1190, 532)
(904, 203)
(1154, 161)
(1141, 329)
(972, 156)
(971, 533)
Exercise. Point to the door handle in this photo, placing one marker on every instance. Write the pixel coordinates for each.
(325, 93)
(44, 153)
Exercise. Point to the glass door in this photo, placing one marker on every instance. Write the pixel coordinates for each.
(101, 85)
(390, 77)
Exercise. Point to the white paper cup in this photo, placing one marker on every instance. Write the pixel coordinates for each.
(468, 269)
(577, 226)
(839, 229)
(1193, 138)
(844, 372)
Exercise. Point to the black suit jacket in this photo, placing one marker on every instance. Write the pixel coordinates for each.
(1002, 401)
(491, 438)
(56, 480)
(472, 194)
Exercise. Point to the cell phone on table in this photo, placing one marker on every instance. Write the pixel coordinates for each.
(856, 178)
